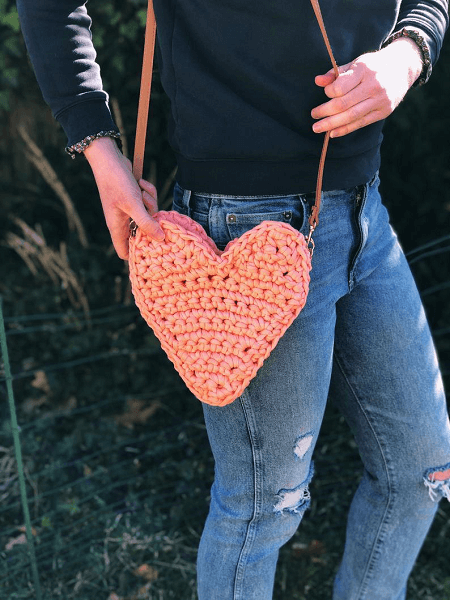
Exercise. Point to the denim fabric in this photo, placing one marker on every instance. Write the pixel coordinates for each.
(363, 330)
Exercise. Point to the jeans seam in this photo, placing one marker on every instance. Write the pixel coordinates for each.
(257, 475)
(186, 202)
(387, 512)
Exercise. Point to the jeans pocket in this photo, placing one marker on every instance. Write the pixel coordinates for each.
(238, 223)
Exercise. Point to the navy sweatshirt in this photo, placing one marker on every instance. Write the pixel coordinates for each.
(240, 78)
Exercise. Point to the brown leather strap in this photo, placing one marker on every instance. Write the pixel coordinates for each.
(144, 95)
(318, 13)
(144, 101)
(314, 217)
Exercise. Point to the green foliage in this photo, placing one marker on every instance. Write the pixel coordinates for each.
(118, 30)
(8, 15)
(11, 52)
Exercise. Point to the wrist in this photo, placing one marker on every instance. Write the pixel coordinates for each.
(409, 53)
(101, 150)
(106, 160)
(81, 146)
(419, 45)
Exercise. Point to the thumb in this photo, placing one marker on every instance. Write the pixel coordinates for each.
(328, 77)
(147, 224)
(325, 79)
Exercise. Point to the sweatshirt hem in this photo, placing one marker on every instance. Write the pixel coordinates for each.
(257, 178)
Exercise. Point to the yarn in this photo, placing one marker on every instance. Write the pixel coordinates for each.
(219, 314)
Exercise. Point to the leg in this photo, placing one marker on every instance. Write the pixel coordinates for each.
(263, 442)
(262, 445)
(387, 382)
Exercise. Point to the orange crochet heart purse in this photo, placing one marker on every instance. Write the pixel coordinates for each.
(218, 314)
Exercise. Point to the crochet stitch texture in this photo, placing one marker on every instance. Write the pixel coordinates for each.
(219, 314)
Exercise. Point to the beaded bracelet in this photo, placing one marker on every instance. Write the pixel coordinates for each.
(80, 147)
(423, 47)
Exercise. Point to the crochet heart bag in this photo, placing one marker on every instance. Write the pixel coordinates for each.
(217, 314)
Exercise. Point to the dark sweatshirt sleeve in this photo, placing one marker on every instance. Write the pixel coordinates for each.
(429, 17)
(58, 38)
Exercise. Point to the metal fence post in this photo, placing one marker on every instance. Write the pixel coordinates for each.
(18, 453)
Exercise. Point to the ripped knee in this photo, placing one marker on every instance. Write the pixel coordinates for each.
(437, 480)
(295, 500)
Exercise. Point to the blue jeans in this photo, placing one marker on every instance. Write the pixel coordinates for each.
(364, 321)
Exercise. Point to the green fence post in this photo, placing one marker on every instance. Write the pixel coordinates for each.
(18, 452)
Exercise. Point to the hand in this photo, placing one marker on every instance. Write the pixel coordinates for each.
(367, 89)
(121, 196)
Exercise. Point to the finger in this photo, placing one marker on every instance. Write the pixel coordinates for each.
(148, 187)
(343, 119)
(120, 234)
(348, 80)
(326, 79)
(338, 105)
(150, 203)
(329, 77)
(367, 119)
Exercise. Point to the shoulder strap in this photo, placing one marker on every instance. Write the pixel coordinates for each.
(144, 101)
(144, 94)
(314, 217)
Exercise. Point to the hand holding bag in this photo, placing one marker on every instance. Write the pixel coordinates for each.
(218, 314)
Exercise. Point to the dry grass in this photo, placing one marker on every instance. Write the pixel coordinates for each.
(119, 121)
(35, 155)
(37, 255)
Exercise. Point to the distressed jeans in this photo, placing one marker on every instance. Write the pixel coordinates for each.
(364, 329)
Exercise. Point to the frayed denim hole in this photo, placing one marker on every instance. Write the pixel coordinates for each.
(438, 488)
(302, 445)
(295, 500)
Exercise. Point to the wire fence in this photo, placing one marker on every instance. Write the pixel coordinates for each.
(105, 494)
